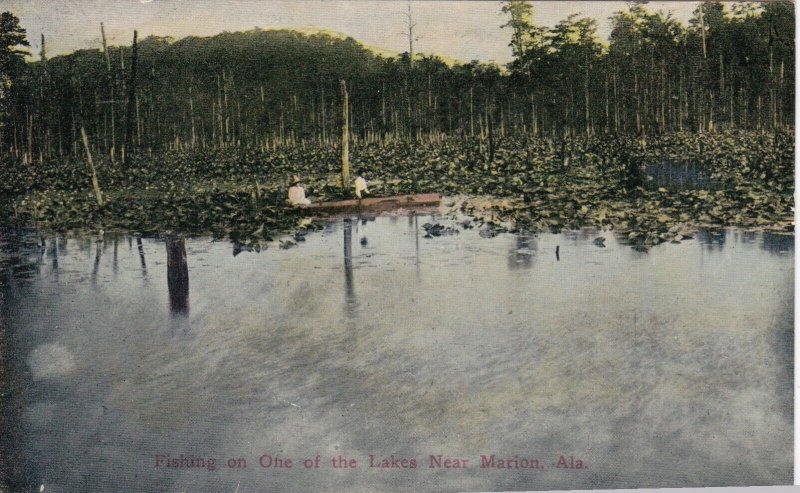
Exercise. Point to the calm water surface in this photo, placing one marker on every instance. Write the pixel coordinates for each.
(661, 369)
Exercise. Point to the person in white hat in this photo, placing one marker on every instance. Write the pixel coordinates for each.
(297, 194)
(361, 186)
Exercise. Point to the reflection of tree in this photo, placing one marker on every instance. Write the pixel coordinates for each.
(97, 255)
(20, 257)
(521, 256)
(177, 276)
(713, 240)
(744, 237)
(53, 252)
(416, 241)
(413, 222)
(350, 295)
(777, 243)
(116, 245)
(141, 256)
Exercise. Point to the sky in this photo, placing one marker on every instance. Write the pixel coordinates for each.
(461, 30)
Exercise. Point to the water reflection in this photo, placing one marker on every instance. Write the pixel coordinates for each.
(140, 247)
(522, 254)
(712, 239)
(416, 239)
(773, 243)
(177, 276)
(363, 222)
(349, 289)
(97, 255)
(115, 263)
(678, 175)
(20, 255)
(776, 243)
(53, 253)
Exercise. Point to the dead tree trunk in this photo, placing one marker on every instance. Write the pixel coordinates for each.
(345, 137)
(96, 186)
(111, 102)
(131, 97)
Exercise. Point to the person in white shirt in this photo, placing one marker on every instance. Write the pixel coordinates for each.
(361, 186)
(297, 194)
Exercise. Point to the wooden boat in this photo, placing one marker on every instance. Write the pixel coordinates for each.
(376, 204)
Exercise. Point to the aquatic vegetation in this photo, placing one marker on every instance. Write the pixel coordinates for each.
(532, 184)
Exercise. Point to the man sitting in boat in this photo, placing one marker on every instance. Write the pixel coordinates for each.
(361, 186)
(297, 194)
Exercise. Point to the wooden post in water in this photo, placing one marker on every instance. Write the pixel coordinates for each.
(345, 138)
(95, 185)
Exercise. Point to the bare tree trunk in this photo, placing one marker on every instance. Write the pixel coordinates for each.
(490, 132)
(131, 97)
(411, 25)
(324, 118)
(638, 113)
(703, 32)
(95, 185)
(586, 100)
(772, 104)
(345, 137)
(191, 116)
(616, 105)
(471, 115)
(681, 98)
(29, 135)
(780, 87)
(608, 113)
(111, 101)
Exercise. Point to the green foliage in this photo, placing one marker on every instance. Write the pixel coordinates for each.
(12, 36)
(520, 21)
(12, 59)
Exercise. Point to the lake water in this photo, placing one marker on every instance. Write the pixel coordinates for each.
(679, 175)
(665, 368)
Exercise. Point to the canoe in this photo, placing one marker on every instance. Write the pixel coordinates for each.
(376, 204)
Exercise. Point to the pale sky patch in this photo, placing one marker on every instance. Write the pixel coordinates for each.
(462, 30)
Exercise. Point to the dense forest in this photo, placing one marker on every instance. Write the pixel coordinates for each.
(731, 67)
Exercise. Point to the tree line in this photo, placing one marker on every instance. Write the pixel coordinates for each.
(731, 66)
